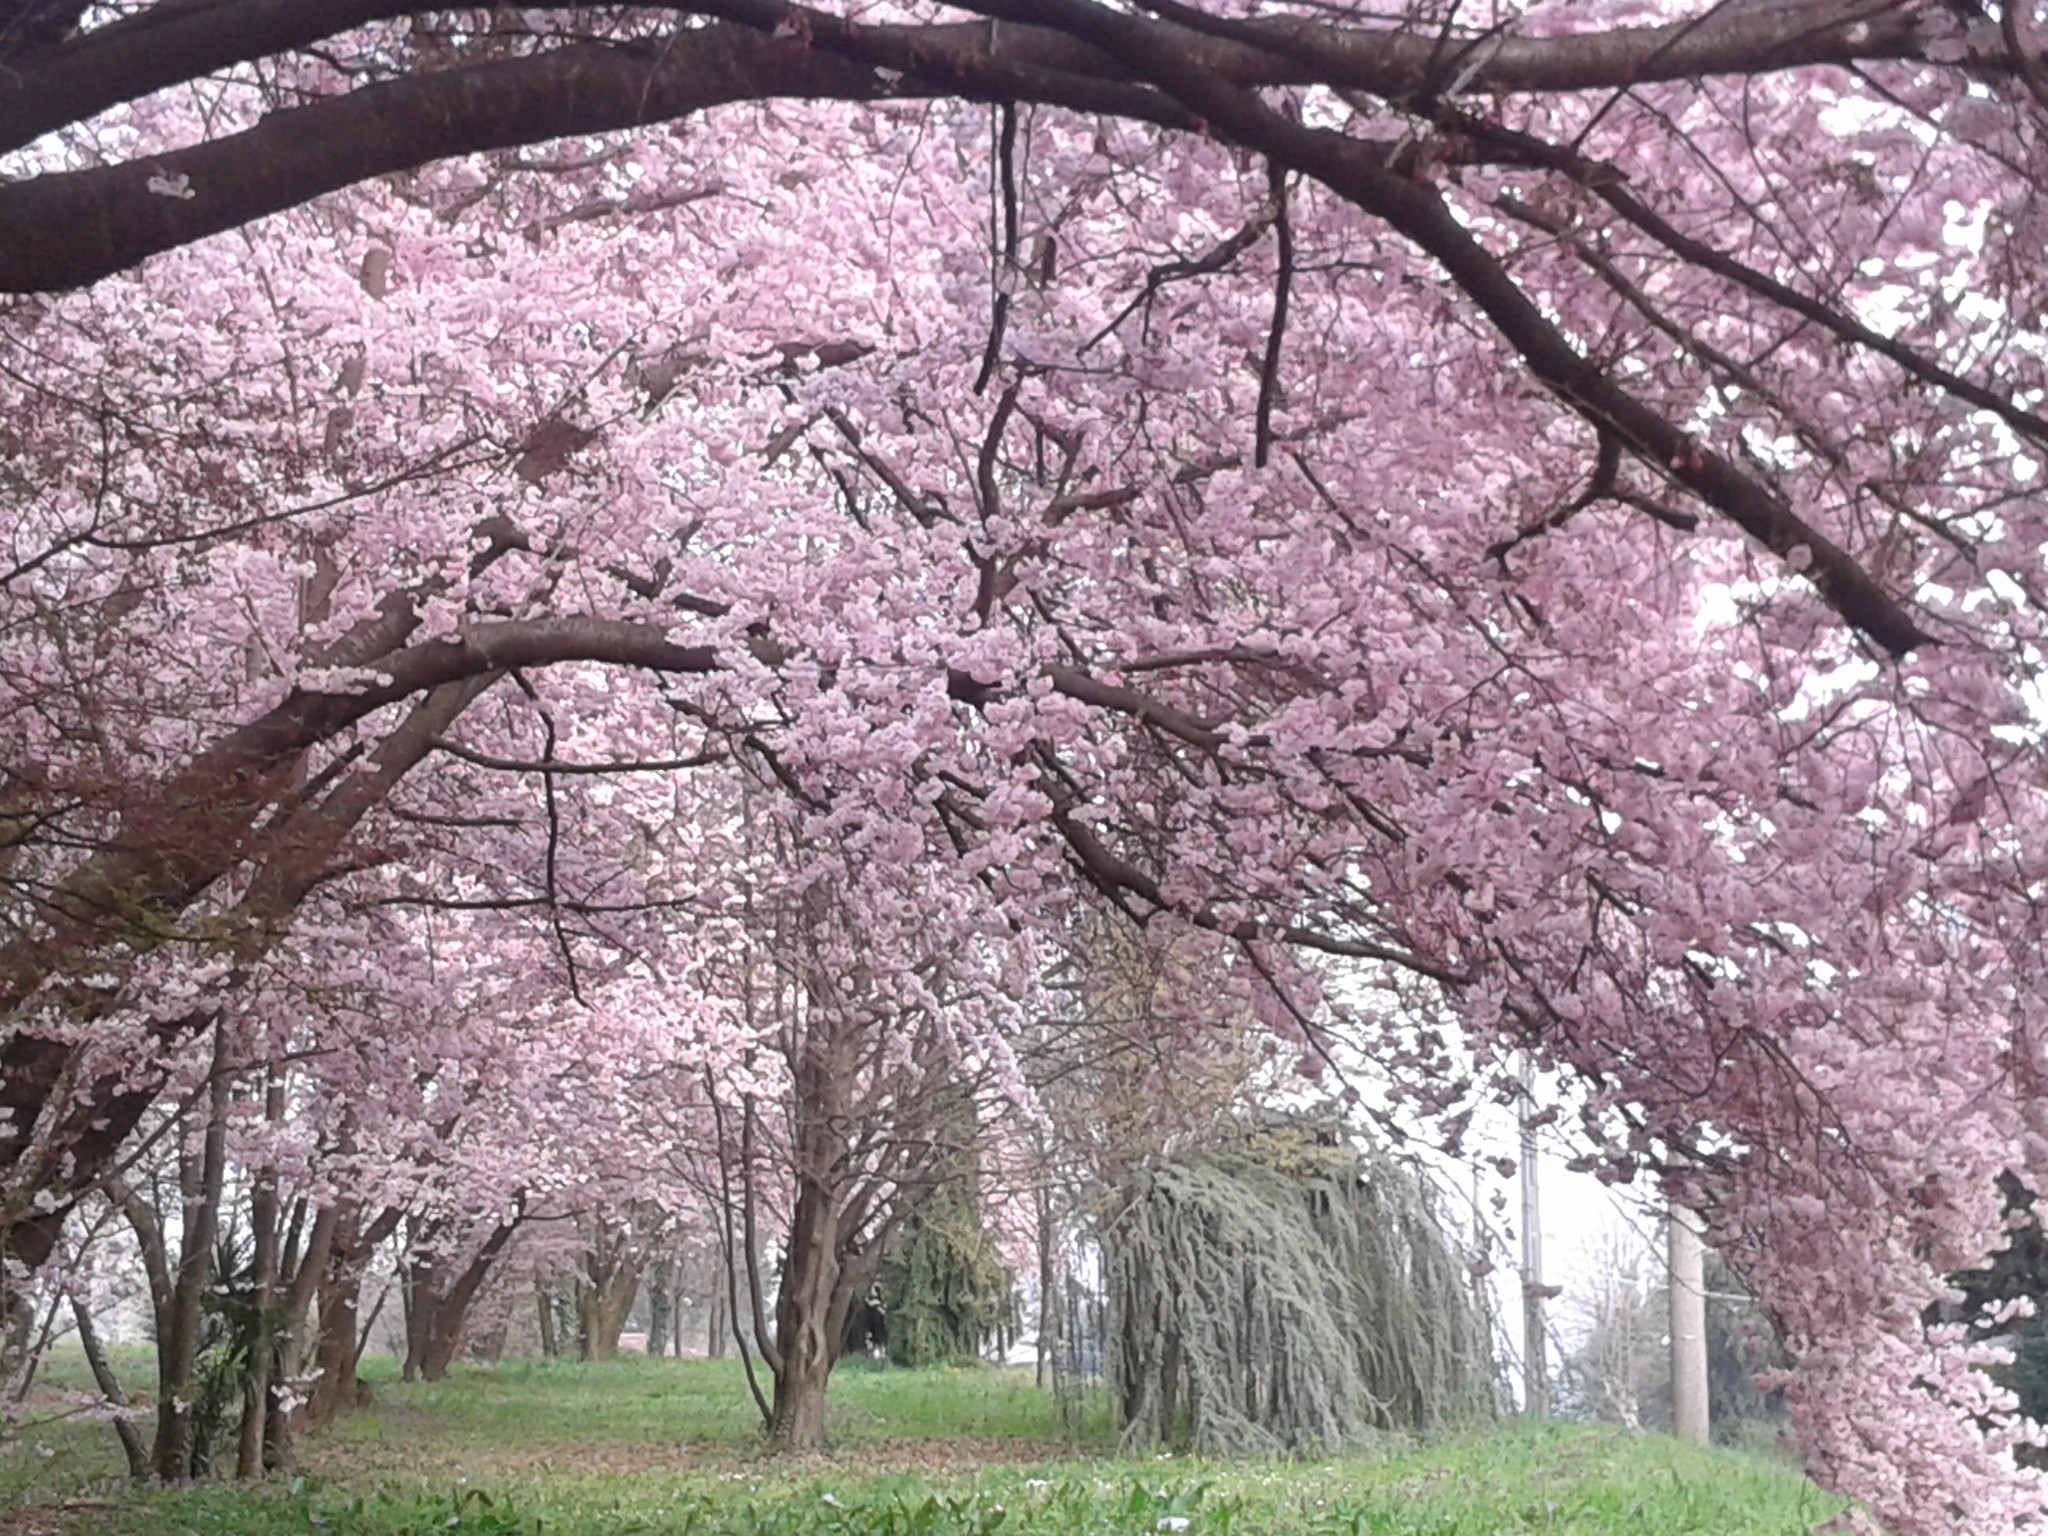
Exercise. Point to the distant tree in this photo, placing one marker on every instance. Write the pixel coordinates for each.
(1620, 1370)
(944, 1289)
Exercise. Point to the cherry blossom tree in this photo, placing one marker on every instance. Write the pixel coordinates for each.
(1541, 508)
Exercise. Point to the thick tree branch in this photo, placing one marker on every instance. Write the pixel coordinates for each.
(1726, 39)
(66, 230)
(1360, 172)
(70, 229)
(170, 44)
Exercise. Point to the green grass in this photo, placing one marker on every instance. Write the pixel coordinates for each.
(663, 1448)
(635, 1405)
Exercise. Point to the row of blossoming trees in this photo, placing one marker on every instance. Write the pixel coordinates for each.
(1543, 508)
(494, 1121)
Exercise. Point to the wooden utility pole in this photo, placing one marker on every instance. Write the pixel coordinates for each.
(1535, 1363)
(1686, 1286)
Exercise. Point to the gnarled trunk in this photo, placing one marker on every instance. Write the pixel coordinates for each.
(806, 1342)
(437, 1306)
(608, 1284)
(601, 1311)
(798, 1423)
(180, 1309)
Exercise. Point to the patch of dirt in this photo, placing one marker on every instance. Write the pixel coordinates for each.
(50, 1519)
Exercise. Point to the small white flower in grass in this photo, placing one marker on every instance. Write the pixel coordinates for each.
(830, 1498)
(1172, 1523)
(1034, 1484)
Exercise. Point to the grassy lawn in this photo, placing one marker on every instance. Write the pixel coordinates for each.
(667, 1448)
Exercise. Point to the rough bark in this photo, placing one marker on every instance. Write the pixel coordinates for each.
(338, 1345)
(66, 230)
(806, 1338)
(798, 1424)
(264, 1216)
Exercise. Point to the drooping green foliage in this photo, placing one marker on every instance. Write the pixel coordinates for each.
(1291, 1292)
(2016, 1274)
(944, 1290)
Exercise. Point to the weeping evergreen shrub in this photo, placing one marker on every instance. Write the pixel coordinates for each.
(1284, 1296)
(944, 1290)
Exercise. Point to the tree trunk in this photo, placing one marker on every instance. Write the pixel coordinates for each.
(550, 1346)
(262, 1362)
(1048, 1293)
(607, 1288)
(306, 1270)
(339, 1345)
(1535, 1366)
(443, 1344)
(1686, 1290)
(264, 1217)
(110, 1388)
(334, 1348)
(809, 1326)
(450, 1319)
(717, 1314)
(602, 1307)
(415, 1291)
(798, 1423)
(437, 1309)
(660, 1304)
(201, 1174)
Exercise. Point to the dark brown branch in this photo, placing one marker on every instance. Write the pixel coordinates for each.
(1215, 259)
(1005, 258)
(551, 885)
(70, 229)
(168, 44)
(557, 765)
(1605, 469)
(1283, 283)
(1360, 173)
(1725, 40)
(1610, 187)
